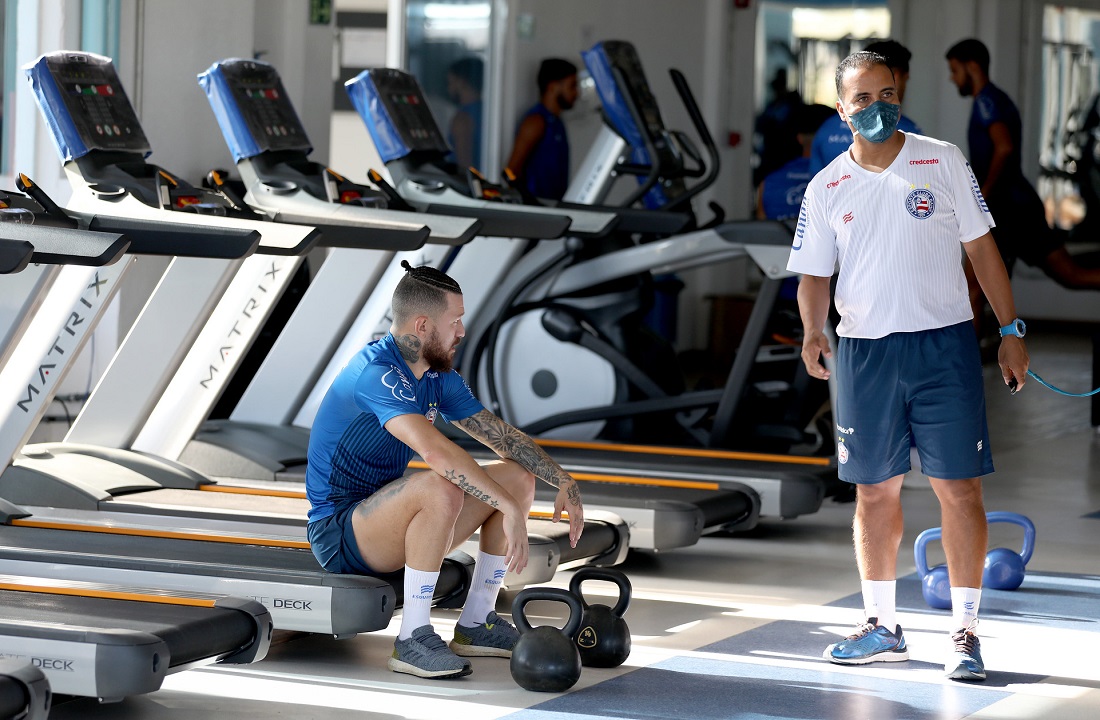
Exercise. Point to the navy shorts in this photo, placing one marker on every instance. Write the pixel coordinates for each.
(920, 389)
(332, 540)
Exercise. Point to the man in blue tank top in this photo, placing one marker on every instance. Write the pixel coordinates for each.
(540, 155)
(834, 136)
(367, 517)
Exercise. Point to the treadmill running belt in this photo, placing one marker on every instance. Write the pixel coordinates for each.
(191, 633)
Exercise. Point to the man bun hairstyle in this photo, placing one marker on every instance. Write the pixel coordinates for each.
(970, 50)
(423, 291)
(858, 61)
(552, 70)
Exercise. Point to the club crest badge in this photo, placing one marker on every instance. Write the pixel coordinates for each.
(841, 452)
(921, 203)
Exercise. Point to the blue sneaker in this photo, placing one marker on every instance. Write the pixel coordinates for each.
(870, 643)
(966, 661)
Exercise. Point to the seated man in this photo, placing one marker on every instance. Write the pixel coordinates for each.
(366, 518)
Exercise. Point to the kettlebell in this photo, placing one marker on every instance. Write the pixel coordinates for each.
(935, 584)
(603, 639)
(545, 659)
(1004, 568)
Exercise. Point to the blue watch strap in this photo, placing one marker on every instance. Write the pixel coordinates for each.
(1016, 327)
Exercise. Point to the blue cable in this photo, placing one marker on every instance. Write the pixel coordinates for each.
(1045, 384)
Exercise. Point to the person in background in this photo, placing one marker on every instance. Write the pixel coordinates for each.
(994, 136)
(464, 82)
(540, 155)
(834, 136)
(779, 195)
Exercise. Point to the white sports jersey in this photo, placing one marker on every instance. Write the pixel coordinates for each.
(896, 236)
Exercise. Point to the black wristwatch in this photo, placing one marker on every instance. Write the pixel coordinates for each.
(1016, 327)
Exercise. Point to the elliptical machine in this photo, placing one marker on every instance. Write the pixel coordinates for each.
(568, 337)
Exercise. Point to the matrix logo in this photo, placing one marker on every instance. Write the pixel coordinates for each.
(70, 336)
(255, 305)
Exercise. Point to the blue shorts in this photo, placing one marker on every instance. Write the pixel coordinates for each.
(332, 540)
(920, 389)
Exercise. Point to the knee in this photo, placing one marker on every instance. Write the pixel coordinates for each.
(441, 496)
(878, 496)
(520, 483)
(960, 493)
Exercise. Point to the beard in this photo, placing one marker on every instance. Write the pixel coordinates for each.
(440, 359)
(967, 88)
(565, 103)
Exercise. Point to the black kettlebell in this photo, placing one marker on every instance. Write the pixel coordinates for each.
(603, 638)
(545, 658)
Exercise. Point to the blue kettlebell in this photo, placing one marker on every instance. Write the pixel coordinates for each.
(935, 584)
(1004, 568)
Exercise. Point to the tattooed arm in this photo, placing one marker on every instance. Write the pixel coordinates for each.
(455, 464)
(512, 444)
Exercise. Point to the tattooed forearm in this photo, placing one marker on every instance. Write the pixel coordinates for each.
(508, 442)
(409, 345)
(471, 490)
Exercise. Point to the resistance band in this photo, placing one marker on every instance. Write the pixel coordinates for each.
(1044, 383)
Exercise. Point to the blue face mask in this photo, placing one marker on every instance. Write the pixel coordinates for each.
(878, 121)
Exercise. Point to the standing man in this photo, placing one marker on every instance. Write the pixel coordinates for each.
(834, 137)
(892, 213)
(994, 136)
(540, 156)
(366, 518)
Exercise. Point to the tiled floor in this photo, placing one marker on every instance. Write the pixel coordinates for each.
(734, 626)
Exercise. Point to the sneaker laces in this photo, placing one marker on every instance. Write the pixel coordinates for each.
(865, 629)
(965, 640)
(431, 641)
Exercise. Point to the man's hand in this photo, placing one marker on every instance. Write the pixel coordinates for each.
(1014, 361)
(815, 345)
(517, 551)
(569, 500)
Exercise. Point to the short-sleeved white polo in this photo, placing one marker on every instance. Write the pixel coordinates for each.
(895, 235)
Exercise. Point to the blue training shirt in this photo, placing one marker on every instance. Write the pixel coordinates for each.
(351, 454)
(784, 188)
(993, 105)
(834, 137)
(546, 173)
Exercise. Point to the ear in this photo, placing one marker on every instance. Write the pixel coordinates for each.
(420, 324)
(840, 111)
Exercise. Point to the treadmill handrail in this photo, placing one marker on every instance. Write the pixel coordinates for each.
(154, 237)
(15, 255)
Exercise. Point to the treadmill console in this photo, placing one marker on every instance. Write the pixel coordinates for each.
(85, 104)
(396, 112)
(253, 108)
(631, 109)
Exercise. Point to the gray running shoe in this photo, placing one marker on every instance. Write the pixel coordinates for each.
(493, 638)
(426, 655)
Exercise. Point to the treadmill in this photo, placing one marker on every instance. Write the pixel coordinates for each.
(24, 689)
(109, 642)
(558, 326)
(81, 475)
(67, 306)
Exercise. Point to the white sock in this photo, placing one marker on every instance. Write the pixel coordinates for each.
(878, 601)
(488, 576)
(416, 608)
(964, 606)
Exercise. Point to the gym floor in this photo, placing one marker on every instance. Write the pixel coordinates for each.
(734, 626)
